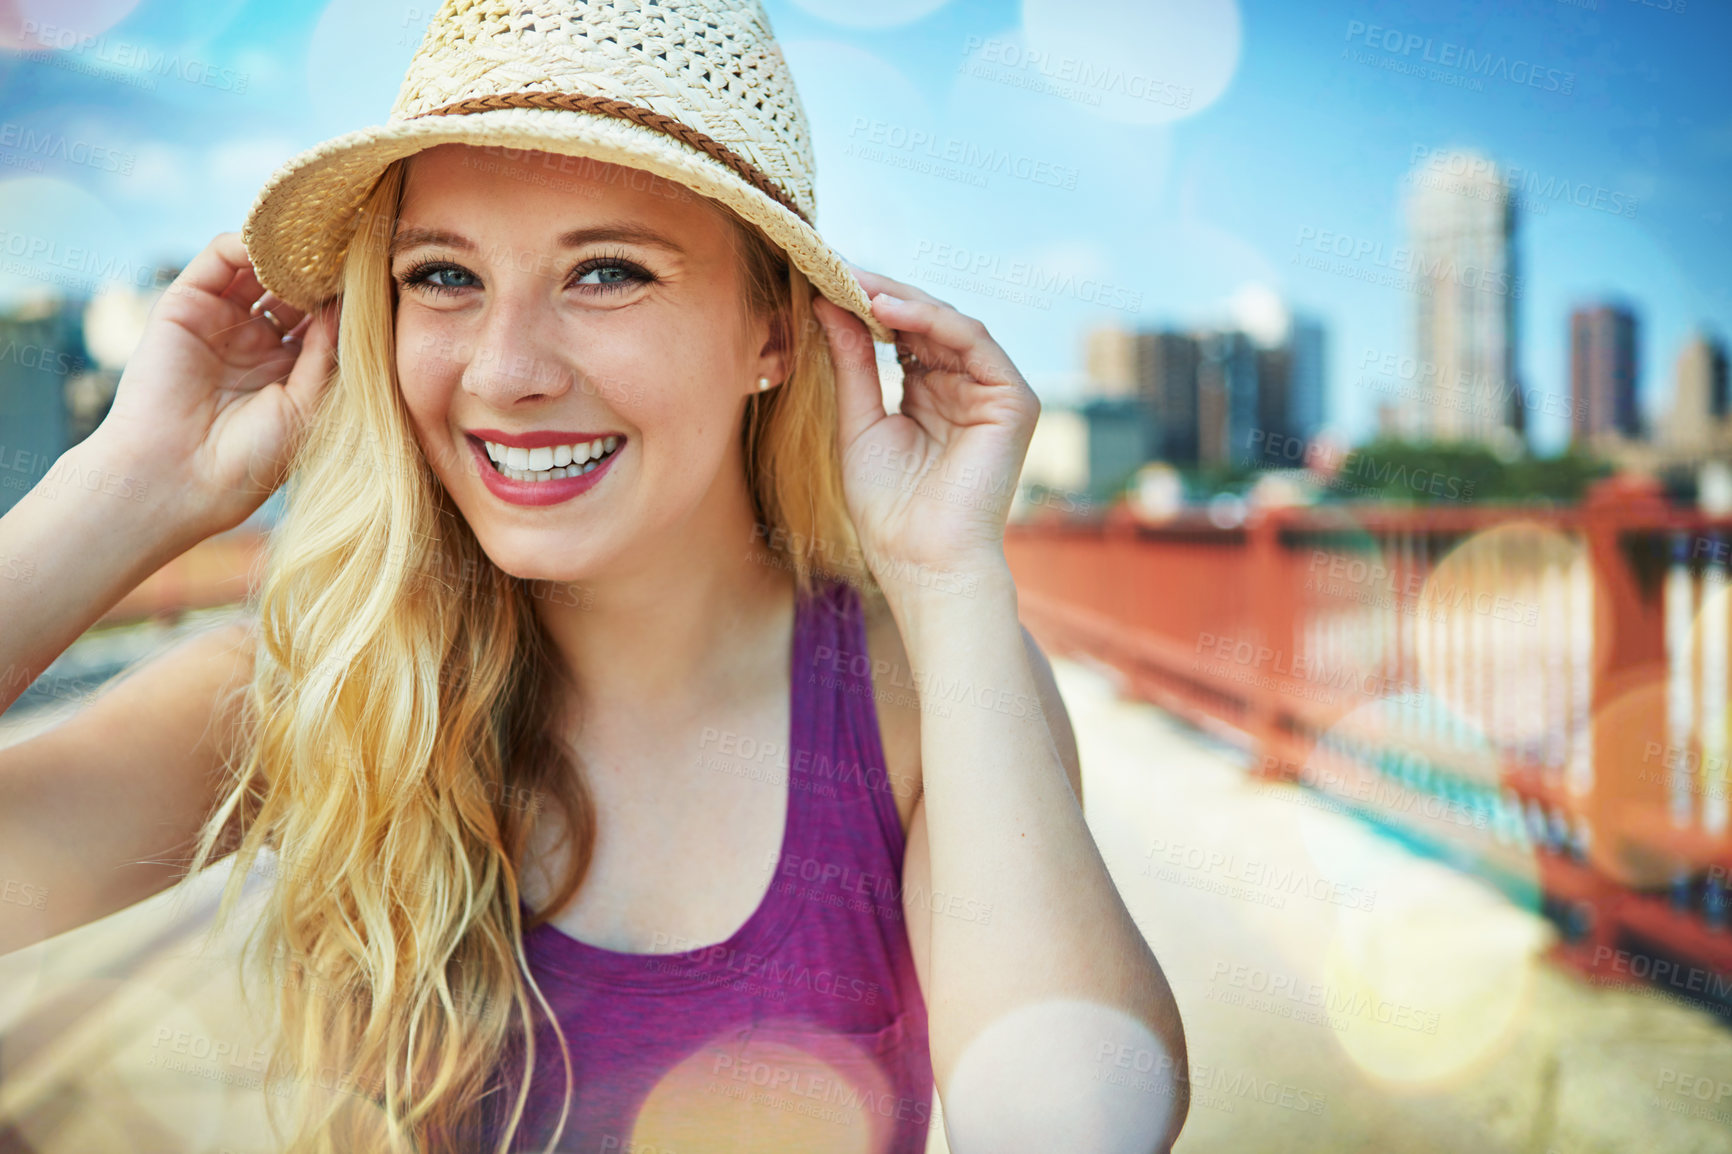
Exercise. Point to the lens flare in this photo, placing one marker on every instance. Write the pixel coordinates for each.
(772, 1089)
(1417, 1001)
(1063, 1074)
(880, 14)
(1507, 620)
(39, 25)
(1132, 61)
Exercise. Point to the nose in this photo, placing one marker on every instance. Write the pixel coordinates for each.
(516, 355)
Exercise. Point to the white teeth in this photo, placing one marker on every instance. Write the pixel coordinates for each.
(550, 463)
(556, 456)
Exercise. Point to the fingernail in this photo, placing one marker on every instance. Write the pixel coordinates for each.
(887, 297)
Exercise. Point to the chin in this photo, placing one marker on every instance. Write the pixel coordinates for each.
(527, 563)
(556, 574)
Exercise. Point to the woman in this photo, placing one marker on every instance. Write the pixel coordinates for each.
(579, 710)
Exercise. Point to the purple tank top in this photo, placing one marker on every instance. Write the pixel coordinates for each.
(804, 1030)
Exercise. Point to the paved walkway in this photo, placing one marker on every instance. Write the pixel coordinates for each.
(1342, 994)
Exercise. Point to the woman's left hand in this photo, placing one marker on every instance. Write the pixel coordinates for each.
(930, 487)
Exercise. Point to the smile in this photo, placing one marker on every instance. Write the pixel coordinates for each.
(552, 462)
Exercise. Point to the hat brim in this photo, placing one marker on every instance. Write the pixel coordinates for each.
(302, 220)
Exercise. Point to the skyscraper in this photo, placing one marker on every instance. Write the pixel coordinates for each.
(1110, 361)
(1465, 281)
(1309, 406)
(1228, 399)
(1167, 365)
(1603, 373)
(1699, 397)
(1289, 392)
(41, 349)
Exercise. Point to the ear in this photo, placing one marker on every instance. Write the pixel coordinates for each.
(774, 338)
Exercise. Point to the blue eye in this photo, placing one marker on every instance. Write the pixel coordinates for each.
(423, 274)
(606, 274)
(611, 273)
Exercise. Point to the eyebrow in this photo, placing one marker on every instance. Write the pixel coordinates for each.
(412, 236)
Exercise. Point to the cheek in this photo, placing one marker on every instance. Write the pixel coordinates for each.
(422, 383)
(426, 380)
(677, 392)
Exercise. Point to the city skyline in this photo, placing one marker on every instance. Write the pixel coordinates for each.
(1046, 167)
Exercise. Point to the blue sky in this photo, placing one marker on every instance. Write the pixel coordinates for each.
(1044, 165)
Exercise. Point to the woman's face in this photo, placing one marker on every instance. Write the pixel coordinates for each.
(546, 303)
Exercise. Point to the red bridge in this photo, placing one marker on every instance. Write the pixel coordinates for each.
(1537, 694)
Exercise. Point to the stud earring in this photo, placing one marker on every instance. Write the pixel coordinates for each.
(763, 383)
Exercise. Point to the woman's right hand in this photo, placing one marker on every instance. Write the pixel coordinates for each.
(214, 401)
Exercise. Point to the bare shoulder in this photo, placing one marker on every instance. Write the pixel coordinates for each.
(899, 707)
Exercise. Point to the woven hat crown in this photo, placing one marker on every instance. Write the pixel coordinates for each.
(706, 71)
(696, 92)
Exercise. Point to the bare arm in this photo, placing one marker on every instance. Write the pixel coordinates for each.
(102, 809)
(1037, 974)
(73, 823)
(1050, 1022)
(72, 552)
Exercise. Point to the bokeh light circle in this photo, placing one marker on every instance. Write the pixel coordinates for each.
(773, 1087)
(1707, 770)
(1507, 621)
(1062, 1074)
(877, 14)
(1134, 61)
(61, 25)
(62, 241)
(357, 57)
(1426, 975)
(1422, 1002)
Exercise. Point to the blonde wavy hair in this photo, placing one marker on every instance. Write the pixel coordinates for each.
(398, 747)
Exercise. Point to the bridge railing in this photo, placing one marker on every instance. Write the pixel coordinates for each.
(1539, 693)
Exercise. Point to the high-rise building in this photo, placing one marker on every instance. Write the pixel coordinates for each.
(1289, 394)
(41, 350)
(1466, 282)
(1117, 442)
(1110, 361)
(1700, 402)
(1305, 384)
(1603, 373)
(1274, 399)
(1167, 383)
(1228, 399)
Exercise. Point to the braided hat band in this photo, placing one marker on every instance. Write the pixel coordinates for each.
(694, 91)
(579, 102)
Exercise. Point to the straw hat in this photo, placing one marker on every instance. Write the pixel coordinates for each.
(694, 91)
